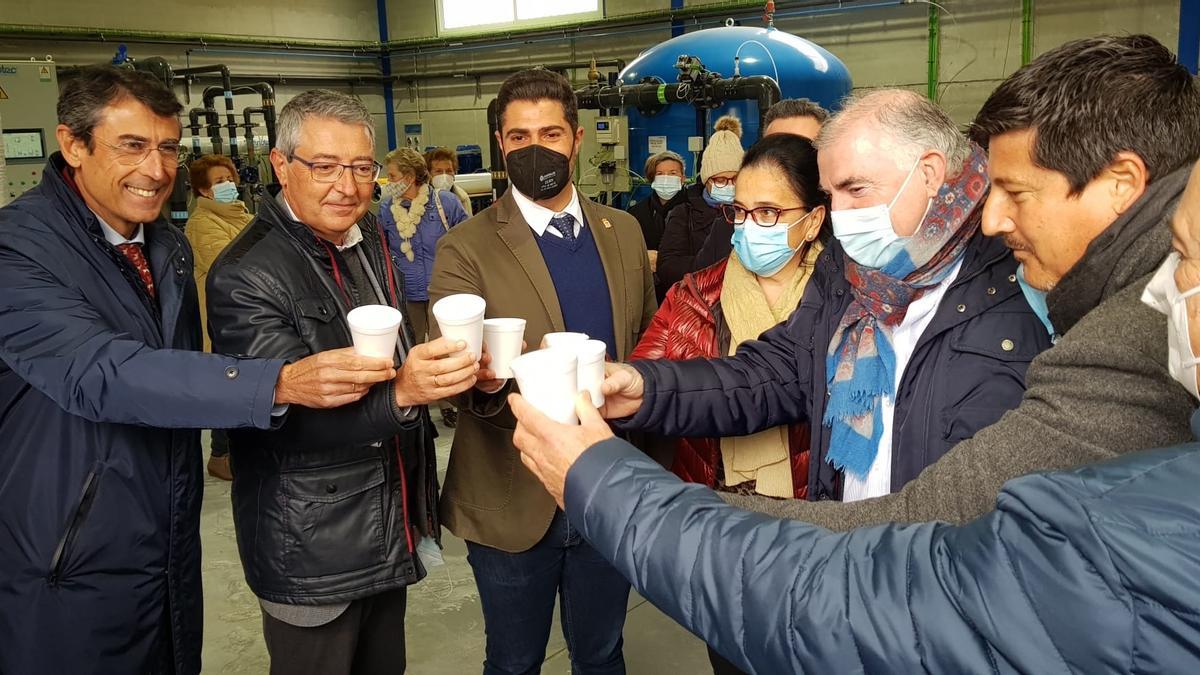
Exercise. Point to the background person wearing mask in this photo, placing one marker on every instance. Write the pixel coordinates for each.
(415, 217)
(562, 262)
(798, 116)
(778, 212)
(689, 223)
(665, 174)
(443, 167)
(913, 333)
(216, 219)
(1175, 289)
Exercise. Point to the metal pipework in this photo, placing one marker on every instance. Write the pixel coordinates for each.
(212, 125)
(230, 115)
(499, 172)
(705, 93)
(266, 94)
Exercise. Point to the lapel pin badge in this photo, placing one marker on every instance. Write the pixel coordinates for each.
(607, 225)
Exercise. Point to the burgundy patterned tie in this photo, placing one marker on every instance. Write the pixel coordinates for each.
(133, 252)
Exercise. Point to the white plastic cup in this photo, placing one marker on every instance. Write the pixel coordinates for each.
(565, 340)
(547, 379)
(590, 369)
(503, 339)
(375, 329)
(460, 317)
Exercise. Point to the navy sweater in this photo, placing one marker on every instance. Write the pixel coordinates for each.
(581, 285)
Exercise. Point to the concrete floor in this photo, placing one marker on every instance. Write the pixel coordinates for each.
(444, 622)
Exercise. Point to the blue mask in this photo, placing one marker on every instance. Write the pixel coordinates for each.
(763, 250)
(719, 195)
(225, 193)
(867, 234)
(1036, 299)
(667, 187)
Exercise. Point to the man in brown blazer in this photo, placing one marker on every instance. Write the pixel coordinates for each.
(561, 262)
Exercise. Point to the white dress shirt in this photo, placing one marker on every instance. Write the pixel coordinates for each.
(116, 238)
(878, 481)
(539, 216)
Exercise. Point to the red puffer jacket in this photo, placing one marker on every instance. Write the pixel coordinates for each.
(688, 325)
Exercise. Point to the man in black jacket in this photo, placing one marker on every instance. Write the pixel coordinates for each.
(331, 507)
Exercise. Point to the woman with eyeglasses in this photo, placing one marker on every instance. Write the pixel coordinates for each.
(688, 224)
(778, 212)
(414, 217)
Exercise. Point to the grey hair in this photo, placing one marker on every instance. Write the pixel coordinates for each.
(323, 103)
(909, 118)
(665, 155)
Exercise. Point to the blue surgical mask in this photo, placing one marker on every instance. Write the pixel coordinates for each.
(667, 186)
(719, 194)
(764, 250)
(225, 193)
(1036, 299)
(867, 234)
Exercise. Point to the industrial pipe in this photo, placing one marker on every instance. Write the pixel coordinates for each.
(1027, 31)
(212, 125)
(90, 34)
(280, 78)
(230, 115)
(499, 172)
(651, 97)
(248, 125)
(619, 64)
(266, 94)
(935, 51)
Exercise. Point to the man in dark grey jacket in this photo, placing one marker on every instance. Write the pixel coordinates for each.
(1085, 173)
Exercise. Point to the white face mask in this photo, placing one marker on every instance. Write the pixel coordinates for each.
(442, 181)
(867, 234)
(1163, 295)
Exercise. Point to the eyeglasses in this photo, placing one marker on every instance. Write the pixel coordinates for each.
(331, 172)
(132, 152)
(722, 181)
(765, 216)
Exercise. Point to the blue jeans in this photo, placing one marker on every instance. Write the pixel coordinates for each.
(517, 592)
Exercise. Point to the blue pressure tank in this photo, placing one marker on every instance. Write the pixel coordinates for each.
(801, 68)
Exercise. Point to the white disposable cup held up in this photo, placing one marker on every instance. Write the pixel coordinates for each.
(547, 380)
(460, 317)
(374, 329)
(564, 340)
(503, 339)
(590, 369)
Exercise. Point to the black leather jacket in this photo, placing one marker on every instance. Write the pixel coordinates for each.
(320, 502)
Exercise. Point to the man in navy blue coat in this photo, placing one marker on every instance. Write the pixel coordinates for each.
(103, 390)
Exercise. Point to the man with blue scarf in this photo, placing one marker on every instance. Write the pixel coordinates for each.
(914, 332)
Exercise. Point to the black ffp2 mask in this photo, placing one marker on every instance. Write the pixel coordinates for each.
(538, 172)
